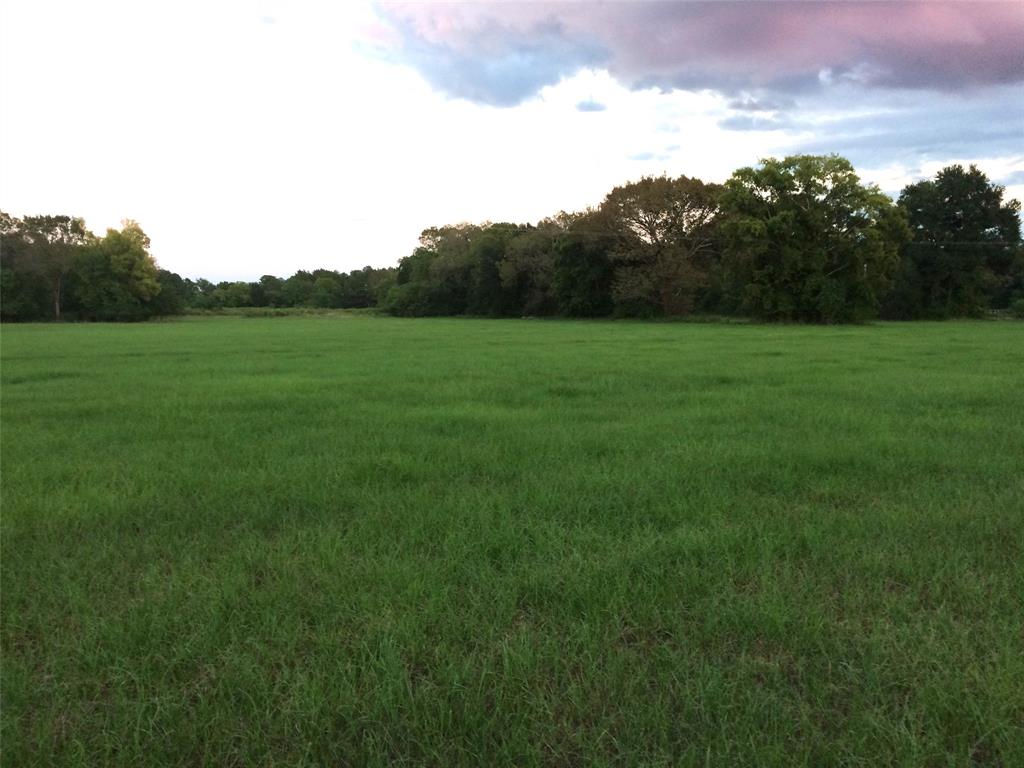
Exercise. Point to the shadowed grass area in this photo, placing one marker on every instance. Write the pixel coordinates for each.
(369, 541)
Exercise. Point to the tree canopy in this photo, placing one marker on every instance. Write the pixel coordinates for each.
(808, 242)
(664, 232)
(797, 239)
(966, 251)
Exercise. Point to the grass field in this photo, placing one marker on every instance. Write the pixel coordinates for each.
(369, 541)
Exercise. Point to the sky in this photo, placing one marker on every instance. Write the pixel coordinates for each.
(253, 137)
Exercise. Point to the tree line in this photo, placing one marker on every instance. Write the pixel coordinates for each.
(799, 239)
(796, 240)
(52, 267)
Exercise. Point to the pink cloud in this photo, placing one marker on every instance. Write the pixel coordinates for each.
(946, 46)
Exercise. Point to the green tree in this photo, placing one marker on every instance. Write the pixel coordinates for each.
(267, 292)
(966, 248)
(664, 237)
(379, 284)
(360, 287)
(486, 295)
(236, 293)
(52, 244)
(450, 273)
(808, 242)
(24, 293)
(582, 271)
(204, 294)
(116, 278)
(527, 269)
(326, 291)
(410, 294)
(437, 277)
(130, 259)
(297, 289)
(173, 296)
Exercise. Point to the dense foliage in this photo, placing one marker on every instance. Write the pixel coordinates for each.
(797, 240)
(966, 253)
(54, 268)
(807, 241)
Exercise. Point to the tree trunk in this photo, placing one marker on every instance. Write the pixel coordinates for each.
(56, 299)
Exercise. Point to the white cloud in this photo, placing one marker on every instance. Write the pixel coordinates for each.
(893, 177)
(245, 147)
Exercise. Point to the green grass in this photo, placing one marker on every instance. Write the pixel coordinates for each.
(370, 541)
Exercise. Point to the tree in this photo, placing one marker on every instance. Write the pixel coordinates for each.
(130, 259)
(527, 269)
(966, 248)
(360, 287)
(664, 232)
(582, 272)
(450, 272)
(203, 293)
(380, 283)
(410, 294)
(806, 241)
(297, 289)
(173, 296)
(267, 292)
(235, 293)
(50, 246)
(437, 277)
(486, 294)
(326, 290)
(116, 278)
(24, 293)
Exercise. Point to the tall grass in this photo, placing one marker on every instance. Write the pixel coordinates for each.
(339, 540)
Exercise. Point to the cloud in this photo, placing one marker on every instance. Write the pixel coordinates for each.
(589, 105)
(752, 123)
(1012, 179)
(644, 157)
(916, 130)
(498, 65)
(501, 53)
(750, 104)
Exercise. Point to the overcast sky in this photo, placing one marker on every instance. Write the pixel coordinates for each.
(264, 136)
